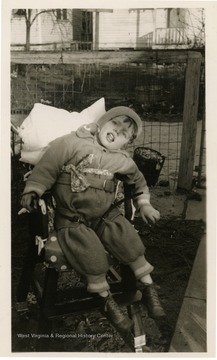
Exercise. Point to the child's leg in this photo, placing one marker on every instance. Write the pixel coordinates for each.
(142, 269)
(97, 284)
(86, 254)
(121, 239)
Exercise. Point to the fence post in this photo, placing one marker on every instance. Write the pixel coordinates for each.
(186, 164)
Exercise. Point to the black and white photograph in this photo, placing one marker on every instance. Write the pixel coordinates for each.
(109, 241)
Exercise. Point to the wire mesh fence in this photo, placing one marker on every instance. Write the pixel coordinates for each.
(155, 91)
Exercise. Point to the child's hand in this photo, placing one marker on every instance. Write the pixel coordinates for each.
(148, 212)
(29, 201)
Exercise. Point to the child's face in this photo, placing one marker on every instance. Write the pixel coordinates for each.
(115, 134)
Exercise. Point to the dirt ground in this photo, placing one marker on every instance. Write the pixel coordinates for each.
(171, 246)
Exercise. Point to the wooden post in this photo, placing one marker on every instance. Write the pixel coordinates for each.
(186, 165)
(97, 31)
(202, 141)
(96, 34)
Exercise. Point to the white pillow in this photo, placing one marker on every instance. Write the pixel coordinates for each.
(32, 157)
(46, 123)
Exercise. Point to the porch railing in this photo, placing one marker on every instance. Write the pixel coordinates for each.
(170, 36)
(165, 36)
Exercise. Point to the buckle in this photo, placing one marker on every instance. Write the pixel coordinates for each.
(104, 184)
(76, 219)
(109, 186)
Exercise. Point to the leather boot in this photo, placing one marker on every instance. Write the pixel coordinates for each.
(112, 311)
(151, 300)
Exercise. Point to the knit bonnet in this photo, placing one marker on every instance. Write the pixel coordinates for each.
(121, 110)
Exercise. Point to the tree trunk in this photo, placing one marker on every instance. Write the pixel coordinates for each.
(28, 27)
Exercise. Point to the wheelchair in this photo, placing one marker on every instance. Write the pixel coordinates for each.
(54, 302)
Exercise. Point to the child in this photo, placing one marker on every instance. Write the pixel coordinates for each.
(82, 169)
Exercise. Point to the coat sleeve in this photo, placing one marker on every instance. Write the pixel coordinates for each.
(132, 175)
(46, 172)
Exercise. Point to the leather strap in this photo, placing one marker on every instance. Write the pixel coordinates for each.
(102, 184)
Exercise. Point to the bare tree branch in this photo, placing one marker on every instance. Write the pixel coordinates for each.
(41, 12)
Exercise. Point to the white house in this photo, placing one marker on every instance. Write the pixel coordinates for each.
(105, 29)
(151, 28)
(51, 29)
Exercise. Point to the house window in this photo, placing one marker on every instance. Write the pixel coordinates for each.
(19, 12)
(82, 24)
(61, 14)
(86, 25)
